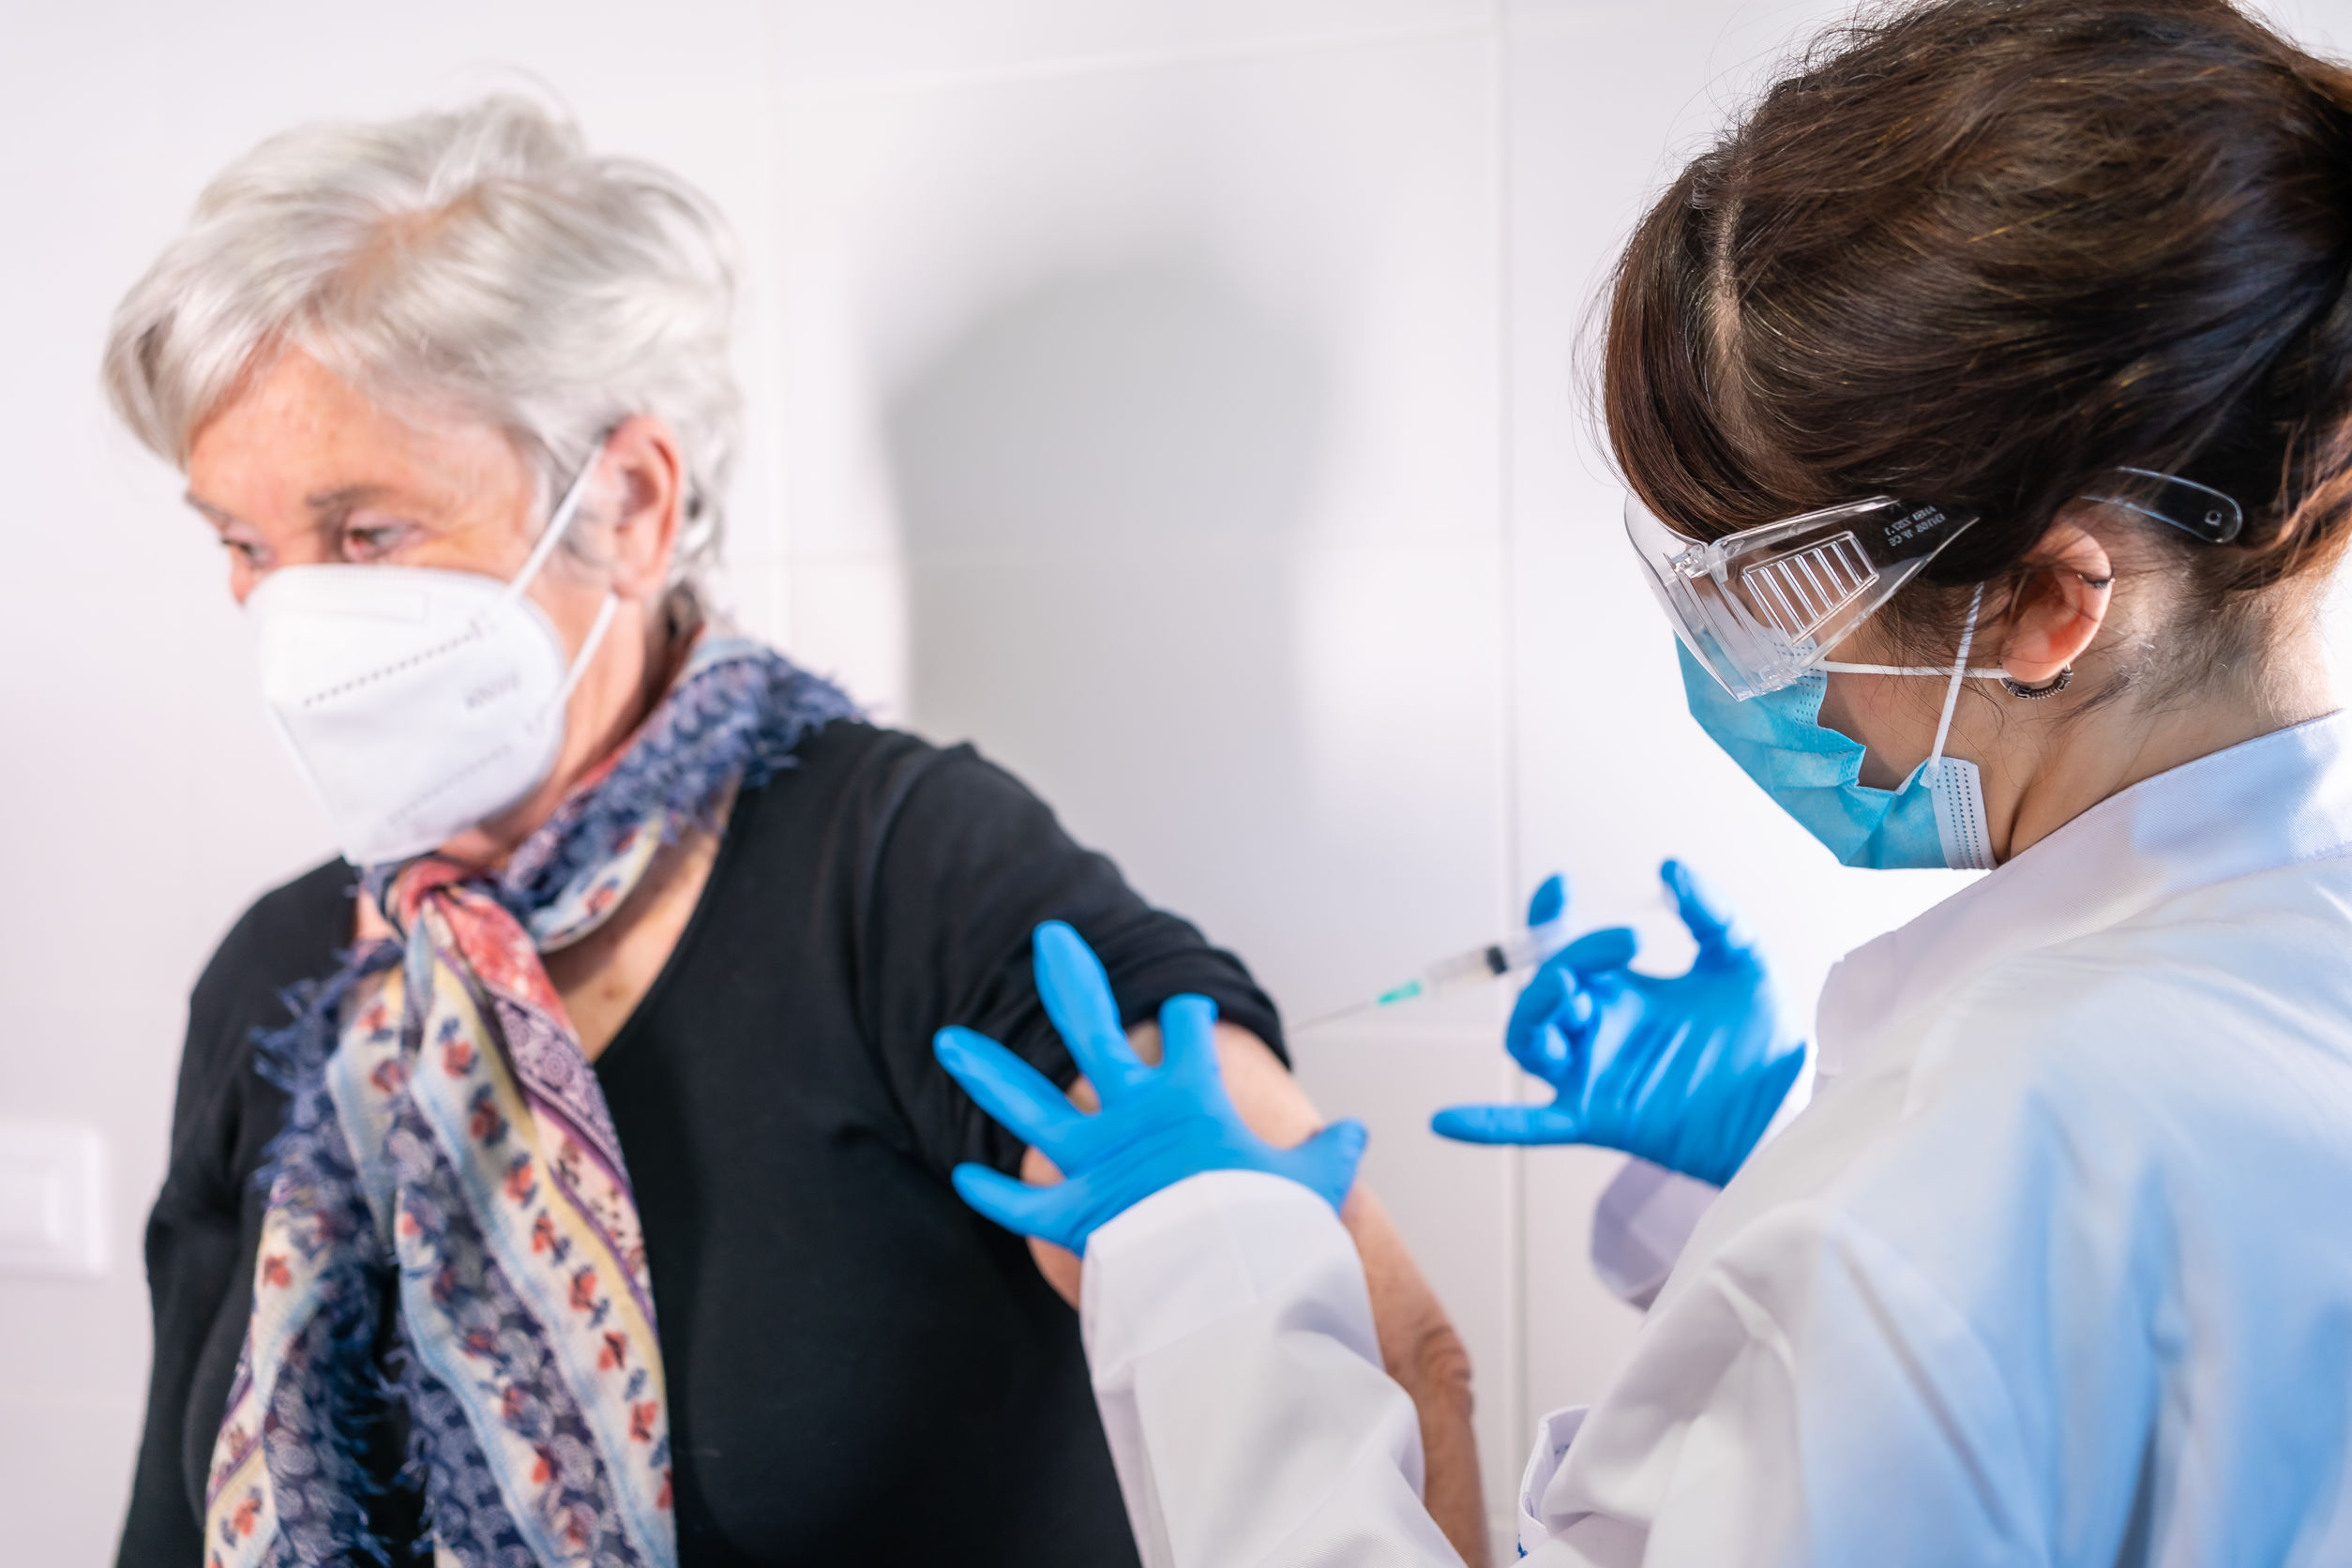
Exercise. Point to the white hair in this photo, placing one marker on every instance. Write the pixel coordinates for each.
(478, 261)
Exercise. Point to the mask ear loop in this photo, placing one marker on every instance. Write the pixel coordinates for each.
(1938, 670)
(605, 612)
(1935, 765)
(560, 519)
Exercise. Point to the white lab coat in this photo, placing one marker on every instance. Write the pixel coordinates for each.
(2057, 1269)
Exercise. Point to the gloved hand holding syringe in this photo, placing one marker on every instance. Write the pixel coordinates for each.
(1684, 1070)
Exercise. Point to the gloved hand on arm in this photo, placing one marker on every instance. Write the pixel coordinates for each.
(1686, 1070)
(1157, 1125)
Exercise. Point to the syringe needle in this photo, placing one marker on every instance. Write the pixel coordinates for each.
(1322, 1018)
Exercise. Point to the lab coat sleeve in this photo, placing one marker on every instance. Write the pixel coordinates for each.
(1643, 1221)
(1647, 1216)
(1230, 1333)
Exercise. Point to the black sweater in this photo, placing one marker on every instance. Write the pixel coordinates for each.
(860, 1369)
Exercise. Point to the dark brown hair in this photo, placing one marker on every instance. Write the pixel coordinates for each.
(1980, 251)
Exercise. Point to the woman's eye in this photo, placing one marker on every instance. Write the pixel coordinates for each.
(369, 540)
(247, 551)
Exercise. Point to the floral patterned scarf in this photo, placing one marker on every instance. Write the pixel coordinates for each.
(448, 1150)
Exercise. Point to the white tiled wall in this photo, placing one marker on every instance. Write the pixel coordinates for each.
(1207, 404)
(1181, 397)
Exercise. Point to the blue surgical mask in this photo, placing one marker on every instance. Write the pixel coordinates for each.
(1937, 817)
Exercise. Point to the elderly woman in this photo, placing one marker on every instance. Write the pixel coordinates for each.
(562, 1175)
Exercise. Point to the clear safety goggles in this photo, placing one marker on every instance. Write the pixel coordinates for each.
(1762, 608)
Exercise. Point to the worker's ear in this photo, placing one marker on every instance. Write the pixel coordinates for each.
(2059, 605)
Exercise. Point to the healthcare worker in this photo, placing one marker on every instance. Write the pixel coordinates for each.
(1983, 401)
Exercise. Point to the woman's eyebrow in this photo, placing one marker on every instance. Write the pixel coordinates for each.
(219, 516)
(343, 498)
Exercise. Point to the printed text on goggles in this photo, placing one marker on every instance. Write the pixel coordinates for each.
(1762, 608)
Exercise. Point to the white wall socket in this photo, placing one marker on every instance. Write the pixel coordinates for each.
(52, 1199)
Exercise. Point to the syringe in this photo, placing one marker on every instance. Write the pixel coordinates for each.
(1476, 966)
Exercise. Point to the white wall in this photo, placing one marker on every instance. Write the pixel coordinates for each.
(1175, 395)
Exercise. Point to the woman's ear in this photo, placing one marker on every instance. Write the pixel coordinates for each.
(2061, 605)
(646, 477)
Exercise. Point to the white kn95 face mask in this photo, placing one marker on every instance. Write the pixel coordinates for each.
(418, 702)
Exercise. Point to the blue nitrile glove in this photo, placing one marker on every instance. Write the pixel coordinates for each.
(1157, 1124)
(1683, 1070)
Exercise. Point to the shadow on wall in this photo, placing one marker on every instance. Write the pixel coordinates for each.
(1100, 487)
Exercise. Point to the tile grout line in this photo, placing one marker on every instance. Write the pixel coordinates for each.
(783, 575)
(1515, 1168)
